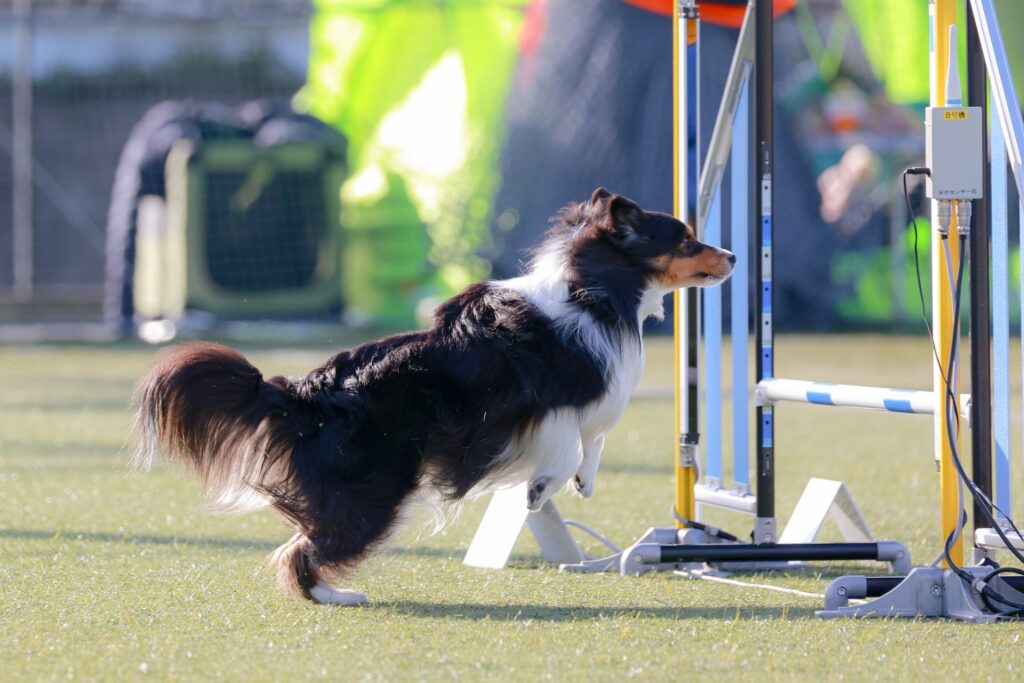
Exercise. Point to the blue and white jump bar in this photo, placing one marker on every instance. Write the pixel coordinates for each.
(770, 391)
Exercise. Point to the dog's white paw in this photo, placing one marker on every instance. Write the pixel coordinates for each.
(583, 485)
(328, 595)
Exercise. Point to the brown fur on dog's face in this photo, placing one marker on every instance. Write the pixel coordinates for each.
(693, 264)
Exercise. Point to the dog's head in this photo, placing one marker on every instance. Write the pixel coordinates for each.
(661, 249)
(619, 260)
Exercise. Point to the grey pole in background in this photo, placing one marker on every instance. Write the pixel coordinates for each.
(21, 158)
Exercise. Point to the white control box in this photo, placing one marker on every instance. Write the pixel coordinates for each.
(953, 152)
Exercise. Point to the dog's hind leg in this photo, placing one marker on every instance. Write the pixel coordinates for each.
(299, 571)
(559, 453)
(342, 512)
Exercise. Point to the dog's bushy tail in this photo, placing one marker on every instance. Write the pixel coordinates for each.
(256, 442)
(205, 405)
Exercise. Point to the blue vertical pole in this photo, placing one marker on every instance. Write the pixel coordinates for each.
(1000, 315)
(739, 291)
(712, 310)
(764, 103)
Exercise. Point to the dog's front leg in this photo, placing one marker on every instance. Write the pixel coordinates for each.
(583, 482)
(562, 452)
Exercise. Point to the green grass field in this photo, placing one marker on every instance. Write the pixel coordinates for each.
(112, 575)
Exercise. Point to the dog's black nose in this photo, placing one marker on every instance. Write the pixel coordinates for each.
(732, 259)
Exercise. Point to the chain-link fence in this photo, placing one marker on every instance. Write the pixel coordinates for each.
(75, 77)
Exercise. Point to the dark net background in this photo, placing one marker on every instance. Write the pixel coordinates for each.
(93, 69)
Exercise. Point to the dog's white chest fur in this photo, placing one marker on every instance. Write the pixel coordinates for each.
(545, 286)
(569, 441)
(624, 373)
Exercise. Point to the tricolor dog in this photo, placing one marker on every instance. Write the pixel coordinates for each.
(517, 381)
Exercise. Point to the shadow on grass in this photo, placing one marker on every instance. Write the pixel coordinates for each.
(413, 551)
(136, 539)
(516, 612)
(238, 543)
(524, 562)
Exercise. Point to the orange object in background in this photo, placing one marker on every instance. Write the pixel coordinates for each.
(722, 13)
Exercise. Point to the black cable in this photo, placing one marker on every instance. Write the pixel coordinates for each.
(976, 493)
(985, 597)
(987, 504)
(987, 593)
(706, 528)
(950, 406)
(920, 170)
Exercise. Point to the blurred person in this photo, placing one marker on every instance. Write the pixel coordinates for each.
(592, 104)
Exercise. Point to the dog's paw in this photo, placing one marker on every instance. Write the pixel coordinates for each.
(329, 595)
(535, 497)
(583, 486)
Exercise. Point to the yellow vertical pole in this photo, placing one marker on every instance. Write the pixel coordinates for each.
(942, 15)
(683, 29)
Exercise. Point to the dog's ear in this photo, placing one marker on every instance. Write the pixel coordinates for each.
(600, 195)
(624, 219)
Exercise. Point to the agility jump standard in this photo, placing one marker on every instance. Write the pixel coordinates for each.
(927, 590)
(956, 179)
(688, 542)
(930, 591)
(657, 550)
(729, 144)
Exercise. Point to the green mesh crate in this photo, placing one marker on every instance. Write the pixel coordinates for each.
(249, 232)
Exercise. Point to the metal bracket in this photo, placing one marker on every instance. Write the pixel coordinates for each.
(688, 9)
(655, 536)
(925, 592)
(687, 453)
(765, 530)
(760, 397)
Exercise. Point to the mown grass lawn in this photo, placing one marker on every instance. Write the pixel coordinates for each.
(112, 575)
